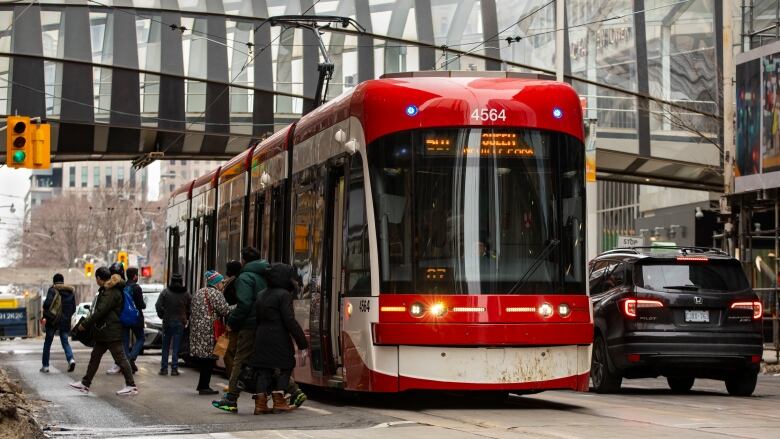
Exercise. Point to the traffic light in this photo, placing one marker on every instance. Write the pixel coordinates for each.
(18, 145)
(121, 257)
(41, 137)
(89, 269)
(146, 271)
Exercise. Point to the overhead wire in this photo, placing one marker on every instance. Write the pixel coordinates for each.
(246, 64)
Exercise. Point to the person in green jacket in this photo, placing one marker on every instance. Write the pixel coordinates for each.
(242, 319)
(107, 328)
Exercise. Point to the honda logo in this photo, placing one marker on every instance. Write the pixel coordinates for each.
(698, 300)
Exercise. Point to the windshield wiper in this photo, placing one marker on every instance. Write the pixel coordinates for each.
(547, 249)
(682, 287)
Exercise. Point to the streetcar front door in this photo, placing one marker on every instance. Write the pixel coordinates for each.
(336, 233)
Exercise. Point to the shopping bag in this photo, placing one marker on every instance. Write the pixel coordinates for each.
(220, 347)
(86, 336)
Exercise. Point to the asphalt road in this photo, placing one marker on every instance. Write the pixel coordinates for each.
(169, 407)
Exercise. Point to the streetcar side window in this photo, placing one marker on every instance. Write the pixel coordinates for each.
(356, 253)
(303, 230)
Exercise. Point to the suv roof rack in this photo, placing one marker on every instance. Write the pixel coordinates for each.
(683, 249)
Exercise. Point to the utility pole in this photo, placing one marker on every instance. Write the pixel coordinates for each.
(560, 51)
(729, 147)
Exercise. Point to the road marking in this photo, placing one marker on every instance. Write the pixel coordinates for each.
(394, 424)
(316, 410)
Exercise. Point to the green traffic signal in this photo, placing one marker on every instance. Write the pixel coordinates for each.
(19, 156)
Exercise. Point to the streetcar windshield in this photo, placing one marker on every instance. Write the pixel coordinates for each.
(479, 211)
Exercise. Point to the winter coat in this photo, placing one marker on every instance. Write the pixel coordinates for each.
(203, 318)
(104, 317)
(174, 304)
(250, 281)
(276, 322)
(68, 302)
(138, 300)
(229, 290)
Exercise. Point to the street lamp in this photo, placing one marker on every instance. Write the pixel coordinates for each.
(12, 208)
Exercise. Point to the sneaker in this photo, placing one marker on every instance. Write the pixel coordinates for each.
(71, 365)
(115, 369)
(226, 404)
(207, 391)
(133, 366)
(174, 372)
(127, 391)
(78, 385)
(163, 371)
(298, 398)
(44, 369)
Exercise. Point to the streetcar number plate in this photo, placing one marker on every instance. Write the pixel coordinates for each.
(697, 316)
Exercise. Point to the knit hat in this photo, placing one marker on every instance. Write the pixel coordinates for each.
(58, 279)
(213, 278)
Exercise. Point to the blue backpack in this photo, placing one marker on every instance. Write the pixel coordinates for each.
(129, 315)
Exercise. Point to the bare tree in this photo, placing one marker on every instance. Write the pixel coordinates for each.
(61, 231)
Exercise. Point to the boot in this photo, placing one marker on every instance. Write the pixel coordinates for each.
(261, 404)
(280, 404)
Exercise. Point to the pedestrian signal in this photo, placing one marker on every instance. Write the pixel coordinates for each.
(121, 257)
(18, 145)
(89, 269)
(146, 271)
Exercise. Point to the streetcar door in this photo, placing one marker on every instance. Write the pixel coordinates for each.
(336, 234)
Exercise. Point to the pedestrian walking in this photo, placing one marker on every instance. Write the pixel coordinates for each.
(208, 306)
(173, 307)
(232, 271)
(249, 284)
(58, 308)
(274, 356)
(137, 330)
(107, 331)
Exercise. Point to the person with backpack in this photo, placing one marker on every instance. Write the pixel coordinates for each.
(173, 307)
(107, 331)
(249, 284)
(132, 316)
(58, 308)
(208, 308)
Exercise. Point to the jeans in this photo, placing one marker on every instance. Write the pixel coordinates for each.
(172, 332)
(47, 345)
(132, 352)
(117, 352)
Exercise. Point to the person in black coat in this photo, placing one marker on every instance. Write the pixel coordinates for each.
(274, 357)
(59, 323)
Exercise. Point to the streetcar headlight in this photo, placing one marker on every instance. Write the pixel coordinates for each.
(546, 310)
(438, 309)
(564, 310)
(416, 310)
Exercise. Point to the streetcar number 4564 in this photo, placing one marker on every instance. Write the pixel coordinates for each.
(488, 115)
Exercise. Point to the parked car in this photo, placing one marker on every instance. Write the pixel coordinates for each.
(682, 313)
(152, 323)
(82, 310)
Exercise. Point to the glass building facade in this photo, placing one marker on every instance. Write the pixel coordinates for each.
(192, 77)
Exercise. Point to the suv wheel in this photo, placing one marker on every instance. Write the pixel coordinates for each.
(680, 384)
(604, 380)
(742, 383)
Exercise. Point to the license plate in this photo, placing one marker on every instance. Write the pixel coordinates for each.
(697, 316)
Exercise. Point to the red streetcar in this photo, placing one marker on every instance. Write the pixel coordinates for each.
(437, 220)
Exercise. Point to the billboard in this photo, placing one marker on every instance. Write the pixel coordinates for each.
(758, 119)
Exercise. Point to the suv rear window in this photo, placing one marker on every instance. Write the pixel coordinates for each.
(719, 275)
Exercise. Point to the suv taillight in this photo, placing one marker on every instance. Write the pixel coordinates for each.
(629, 306)
(755, 306)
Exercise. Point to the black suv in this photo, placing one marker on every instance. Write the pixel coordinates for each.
(683, 313)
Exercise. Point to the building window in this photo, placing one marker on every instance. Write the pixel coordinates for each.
(171, 188)
(173, 162)
(72, 176)
(132, 178)
(108, 176)
(182, 162)
(84, 176)
(120, 176)
(96, 176)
